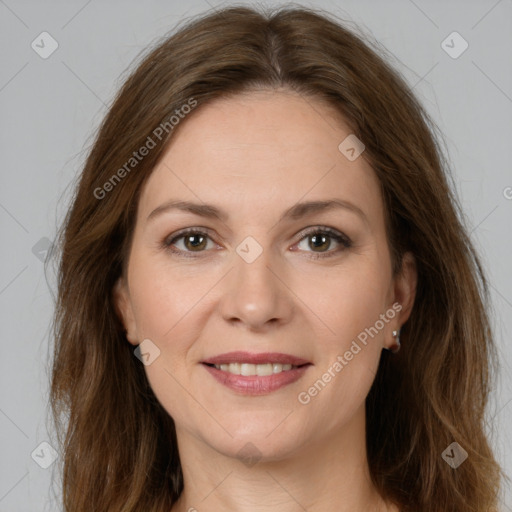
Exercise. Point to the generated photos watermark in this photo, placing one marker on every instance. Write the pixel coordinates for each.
(151, 142)
(304, 397)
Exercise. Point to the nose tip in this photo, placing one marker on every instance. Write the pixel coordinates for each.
(254, 295)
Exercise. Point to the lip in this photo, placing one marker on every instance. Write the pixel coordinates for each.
(254, 384)
(261, 358)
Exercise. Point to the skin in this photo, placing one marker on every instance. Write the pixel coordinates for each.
(254, 156)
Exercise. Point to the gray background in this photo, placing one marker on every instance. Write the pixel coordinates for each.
(51, 108)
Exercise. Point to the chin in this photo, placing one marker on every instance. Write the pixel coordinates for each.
(263, 440)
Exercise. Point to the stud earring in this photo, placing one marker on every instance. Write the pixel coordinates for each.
(396, 347)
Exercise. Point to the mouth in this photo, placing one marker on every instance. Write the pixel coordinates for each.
(256, 374)
(248, 369)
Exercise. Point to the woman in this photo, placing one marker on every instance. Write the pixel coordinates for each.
(264, 210)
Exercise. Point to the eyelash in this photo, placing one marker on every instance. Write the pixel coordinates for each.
(335, 235)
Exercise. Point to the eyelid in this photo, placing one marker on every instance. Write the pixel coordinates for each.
(334, 233)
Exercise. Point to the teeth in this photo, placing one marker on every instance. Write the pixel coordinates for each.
(264, 369)
(247, 369)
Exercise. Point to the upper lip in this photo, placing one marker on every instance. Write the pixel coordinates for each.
(261, 358)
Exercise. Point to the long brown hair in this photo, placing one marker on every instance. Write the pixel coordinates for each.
(118, 443)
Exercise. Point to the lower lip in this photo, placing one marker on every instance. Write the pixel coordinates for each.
(254, 384)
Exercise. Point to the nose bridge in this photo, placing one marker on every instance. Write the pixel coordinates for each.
(255, 294)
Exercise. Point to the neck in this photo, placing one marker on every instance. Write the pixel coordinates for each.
(330, 475)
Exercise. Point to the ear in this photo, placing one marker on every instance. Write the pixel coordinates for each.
(124, 310)
(405, 287)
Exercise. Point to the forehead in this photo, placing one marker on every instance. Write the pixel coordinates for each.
(261, 150)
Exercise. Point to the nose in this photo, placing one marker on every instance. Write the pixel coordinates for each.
(255, 294)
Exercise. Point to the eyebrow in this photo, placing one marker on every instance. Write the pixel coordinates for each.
(295, 212)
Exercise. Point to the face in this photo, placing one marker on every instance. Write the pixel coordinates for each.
(266, 305)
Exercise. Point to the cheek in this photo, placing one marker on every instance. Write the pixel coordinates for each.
(348, 301)
(348, 360)
(166, 304)
(350, 305)
(165, 299)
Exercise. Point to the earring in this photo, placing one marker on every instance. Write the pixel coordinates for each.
(396, 347)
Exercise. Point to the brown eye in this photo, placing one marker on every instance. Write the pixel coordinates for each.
(190, 241)
(194, 241)
(321, 240)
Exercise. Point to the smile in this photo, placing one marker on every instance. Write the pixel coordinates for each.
(247, 369)
(255, 374)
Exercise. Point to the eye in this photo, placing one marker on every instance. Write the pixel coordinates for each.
(193, 240)
(322, 238)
